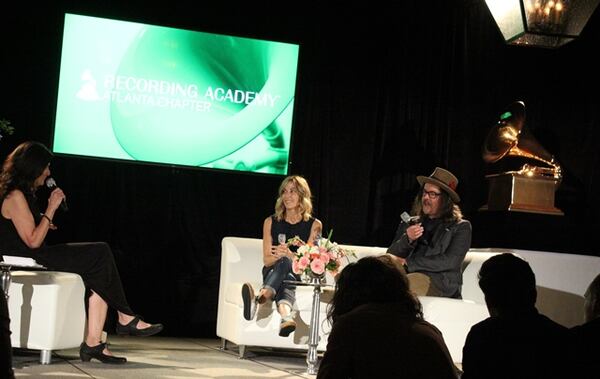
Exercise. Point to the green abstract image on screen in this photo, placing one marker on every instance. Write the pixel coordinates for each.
(155, 94)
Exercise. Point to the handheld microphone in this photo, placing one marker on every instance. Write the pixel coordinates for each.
(51, 184)
(410, 220)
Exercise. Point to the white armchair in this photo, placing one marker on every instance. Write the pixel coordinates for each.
(47, 311)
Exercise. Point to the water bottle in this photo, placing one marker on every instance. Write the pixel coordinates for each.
(281, 238)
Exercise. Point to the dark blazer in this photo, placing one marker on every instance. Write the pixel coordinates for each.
(441, 259)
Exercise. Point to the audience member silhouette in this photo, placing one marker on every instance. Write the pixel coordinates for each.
(6, 370)
(515, 341)
(378, 329)
(585, 339)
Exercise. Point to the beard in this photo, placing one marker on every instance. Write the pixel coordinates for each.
(427, 208)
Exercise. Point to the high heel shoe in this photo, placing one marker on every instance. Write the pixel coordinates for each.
(86, 353)
(131, 329)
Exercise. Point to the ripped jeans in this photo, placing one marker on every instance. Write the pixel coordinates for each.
(273, 277)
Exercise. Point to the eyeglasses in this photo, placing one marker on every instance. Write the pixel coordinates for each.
(431, 194)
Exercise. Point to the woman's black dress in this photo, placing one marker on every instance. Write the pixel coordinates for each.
(93, 261)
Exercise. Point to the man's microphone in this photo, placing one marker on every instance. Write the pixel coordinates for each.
(410, 220)
(51, 184)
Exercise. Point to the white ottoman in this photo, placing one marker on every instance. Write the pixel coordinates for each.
(47, 311)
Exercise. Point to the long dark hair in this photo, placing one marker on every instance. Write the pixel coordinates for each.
(22, 167)
(449, 210)
(372, 280)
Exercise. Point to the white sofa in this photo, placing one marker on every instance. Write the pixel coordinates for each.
(47, 311)
(561, 279)
(241, 261)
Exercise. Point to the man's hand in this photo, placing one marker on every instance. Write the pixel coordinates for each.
(414, 232)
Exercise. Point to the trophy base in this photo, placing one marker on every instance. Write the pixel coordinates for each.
(516, 192)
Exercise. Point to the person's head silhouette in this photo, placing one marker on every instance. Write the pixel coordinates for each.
(508, 284)
(373, 280)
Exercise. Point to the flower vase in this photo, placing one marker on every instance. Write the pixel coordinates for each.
(311, 277)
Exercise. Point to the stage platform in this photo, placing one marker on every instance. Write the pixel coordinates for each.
(166, 357)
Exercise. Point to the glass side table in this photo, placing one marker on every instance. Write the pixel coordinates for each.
(313, 338)
(5, 278)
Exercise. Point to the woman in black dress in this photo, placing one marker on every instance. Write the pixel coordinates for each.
(292, 218)
(23, 229)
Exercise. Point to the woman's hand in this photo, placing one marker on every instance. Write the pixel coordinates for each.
(281, 250)
(56, 197)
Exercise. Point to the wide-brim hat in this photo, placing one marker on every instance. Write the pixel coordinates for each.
(443, 179)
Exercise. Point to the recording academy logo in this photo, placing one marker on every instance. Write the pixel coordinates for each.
(131, 90)
(88, 90)
(136, 91)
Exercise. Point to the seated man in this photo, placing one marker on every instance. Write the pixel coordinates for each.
(433, 247)
(515, 341)
(586, 338)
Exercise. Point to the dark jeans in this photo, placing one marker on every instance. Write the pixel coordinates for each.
(273, 277)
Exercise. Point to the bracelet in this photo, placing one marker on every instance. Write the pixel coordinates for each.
(47, 218)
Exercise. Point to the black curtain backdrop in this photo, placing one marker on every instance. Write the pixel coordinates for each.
(384, 93)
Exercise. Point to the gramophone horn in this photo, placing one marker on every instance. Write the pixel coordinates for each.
(529, 147)
(505, 134)
(531, 188)
(509, 137)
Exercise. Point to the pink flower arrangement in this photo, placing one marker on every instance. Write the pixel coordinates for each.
(314, 259)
